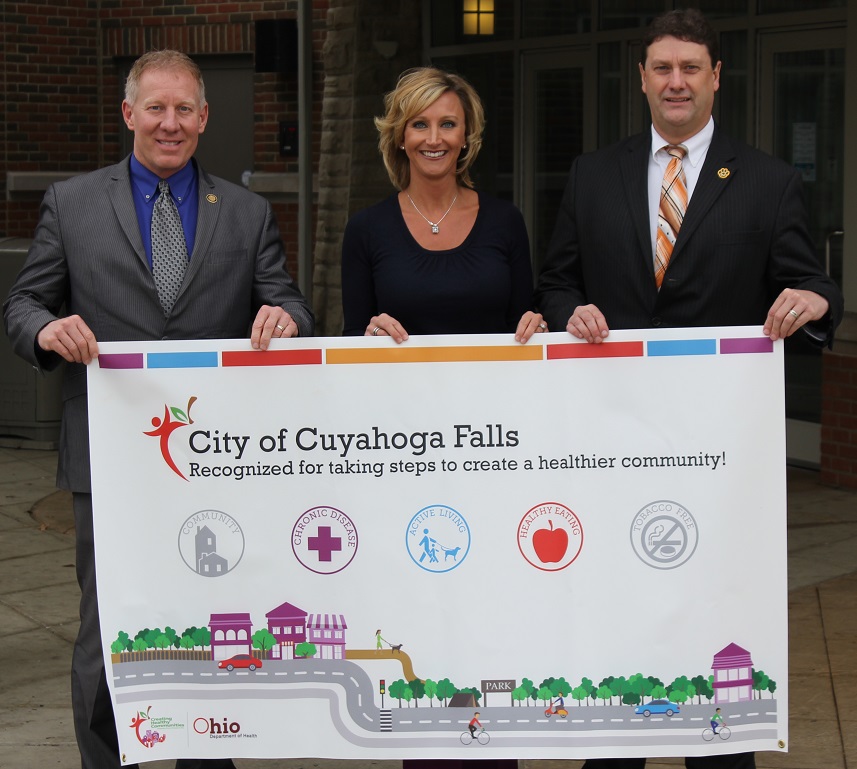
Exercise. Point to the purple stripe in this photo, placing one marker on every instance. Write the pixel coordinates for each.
(757, 344)
(121, 360)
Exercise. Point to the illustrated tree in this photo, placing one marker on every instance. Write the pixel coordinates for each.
(445, 690)
(679, 696)
(430, 688)
(545, 693)
(639, 686)
(519, 694)
(700, 683)
(530, 688)
(162, 642)
(186, 642)
(305, 649)
(263, 640)
(617, 686)
(397, 690)
(121, 644)
(580, 693)
(760, 681)
(418, 688)
(202, 637)
(604, 693)
(587, 685)
(139, 645)
(659, 692)
(772, 686)
(407, 695)
(172, 636)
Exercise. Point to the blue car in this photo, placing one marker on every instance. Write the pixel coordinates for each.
(657, 706)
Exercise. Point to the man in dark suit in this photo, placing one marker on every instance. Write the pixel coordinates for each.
(741, 254)
(92, 260)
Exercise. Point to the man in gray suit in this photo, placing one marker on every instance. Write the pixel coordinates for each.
(92, 260)
(742, 255)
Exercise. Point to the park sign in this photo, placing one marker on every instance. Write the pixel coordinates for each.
(596, 533)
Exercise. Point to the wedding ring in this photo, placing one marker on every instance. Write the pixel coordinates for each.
(542, 326)
(794, 314)
(282, 328)
(376, 330)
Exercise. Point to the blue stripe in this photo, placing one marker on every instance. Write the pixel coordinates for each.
(682, 347)
(182, 360)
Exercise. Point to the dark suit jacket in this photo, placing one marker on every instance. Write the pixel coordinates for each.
(743, 240)
(87, 255)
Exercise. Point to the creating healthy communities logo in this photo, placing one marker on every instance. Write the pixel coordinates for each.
(173, 419)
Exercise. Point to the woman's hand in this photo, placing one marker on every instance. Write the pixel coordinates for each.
(386, 325)
(529, 324)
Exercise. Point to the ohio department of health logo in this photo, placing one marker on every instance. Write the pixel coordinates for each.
(438, 538)
(211, 543)
(664, 534)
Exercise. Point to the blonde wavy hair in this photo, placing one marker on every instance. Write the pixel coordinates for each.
(166, 59)
(416, 90)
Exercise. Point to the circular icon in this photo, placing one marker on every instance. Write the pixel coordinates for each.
(211, 543)
(664, 534)
(438, 538)
(550, 536)
(324, 540)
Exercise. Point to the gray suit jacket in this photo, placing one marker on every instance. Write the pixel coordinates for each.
(87, 258)
(744, 239)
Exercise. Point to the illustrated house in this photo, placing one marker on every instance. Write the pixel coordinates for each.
(208, 562)
(327, 632)
(230, 635)
(733, 675)
(287, 623)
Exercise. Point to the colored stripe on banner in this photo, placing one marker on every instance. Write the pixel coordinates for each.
(602, 350)
(737, 346)
(182, 360)
(433, 354)
(121, 360)
(682, 347)
(271, 357)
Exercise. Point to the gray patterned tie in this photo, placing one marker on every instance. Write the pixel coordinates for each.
(169, 250)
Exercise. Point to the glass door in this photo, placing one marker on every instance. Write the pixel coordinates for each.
(557, 88)
(802, 121)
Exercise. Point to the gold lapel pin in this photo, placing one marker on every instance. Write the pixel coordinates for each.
(723, 173)
(213, 198)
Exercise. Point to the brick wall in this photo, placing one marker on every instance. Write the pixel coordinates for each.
(61, 95)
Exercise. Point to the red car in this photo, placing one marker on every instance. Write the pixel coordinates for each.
(240, 661)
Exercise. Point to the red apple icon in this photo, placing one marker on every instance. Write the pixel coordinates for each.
(550, 544)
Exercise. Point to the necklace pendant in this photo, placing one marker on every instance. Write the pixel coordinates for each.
(435, 229)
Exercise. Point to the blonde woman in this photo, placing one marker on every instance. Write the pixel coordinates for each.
(436, 257)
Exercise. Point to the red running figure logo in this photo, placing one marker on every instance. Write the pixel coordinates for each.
(174, 418)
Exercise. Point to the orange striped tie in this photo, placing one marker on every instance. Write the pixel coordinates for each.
(671, 210)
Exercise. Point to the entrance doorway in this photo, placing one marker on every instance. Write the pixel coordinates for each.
(802, 121)
(557, 87)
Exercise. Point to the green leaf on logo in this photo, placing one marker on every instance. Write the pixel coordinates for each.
(179, 414)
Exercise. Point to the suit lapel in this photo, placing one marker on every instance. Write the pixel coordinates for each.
(714, 177)
(206, 223)
(635, 178)
(122, 200)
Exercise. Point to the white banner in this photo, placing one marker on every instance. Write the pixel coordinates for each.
(457, 547)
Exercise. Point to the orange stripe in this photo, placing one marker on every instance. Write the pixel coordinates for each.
(433, 354)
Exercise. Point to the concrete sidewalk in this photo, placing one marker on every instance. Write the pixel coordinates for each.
(38, 624)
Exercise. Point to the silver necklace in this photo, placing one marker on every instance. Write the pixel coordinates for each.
(435, 226)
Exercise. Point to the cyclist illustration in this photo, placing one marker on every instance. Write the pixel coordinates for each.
(716, 720)
(482, 737)
(474, 722)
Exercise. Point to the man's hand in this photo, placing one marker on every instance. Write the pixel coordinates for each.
(792, 309)
(588, 322)
(70, 338)
(271, 323)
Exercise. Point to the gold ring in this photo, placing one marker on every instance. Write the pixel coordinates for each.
(282, 328)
